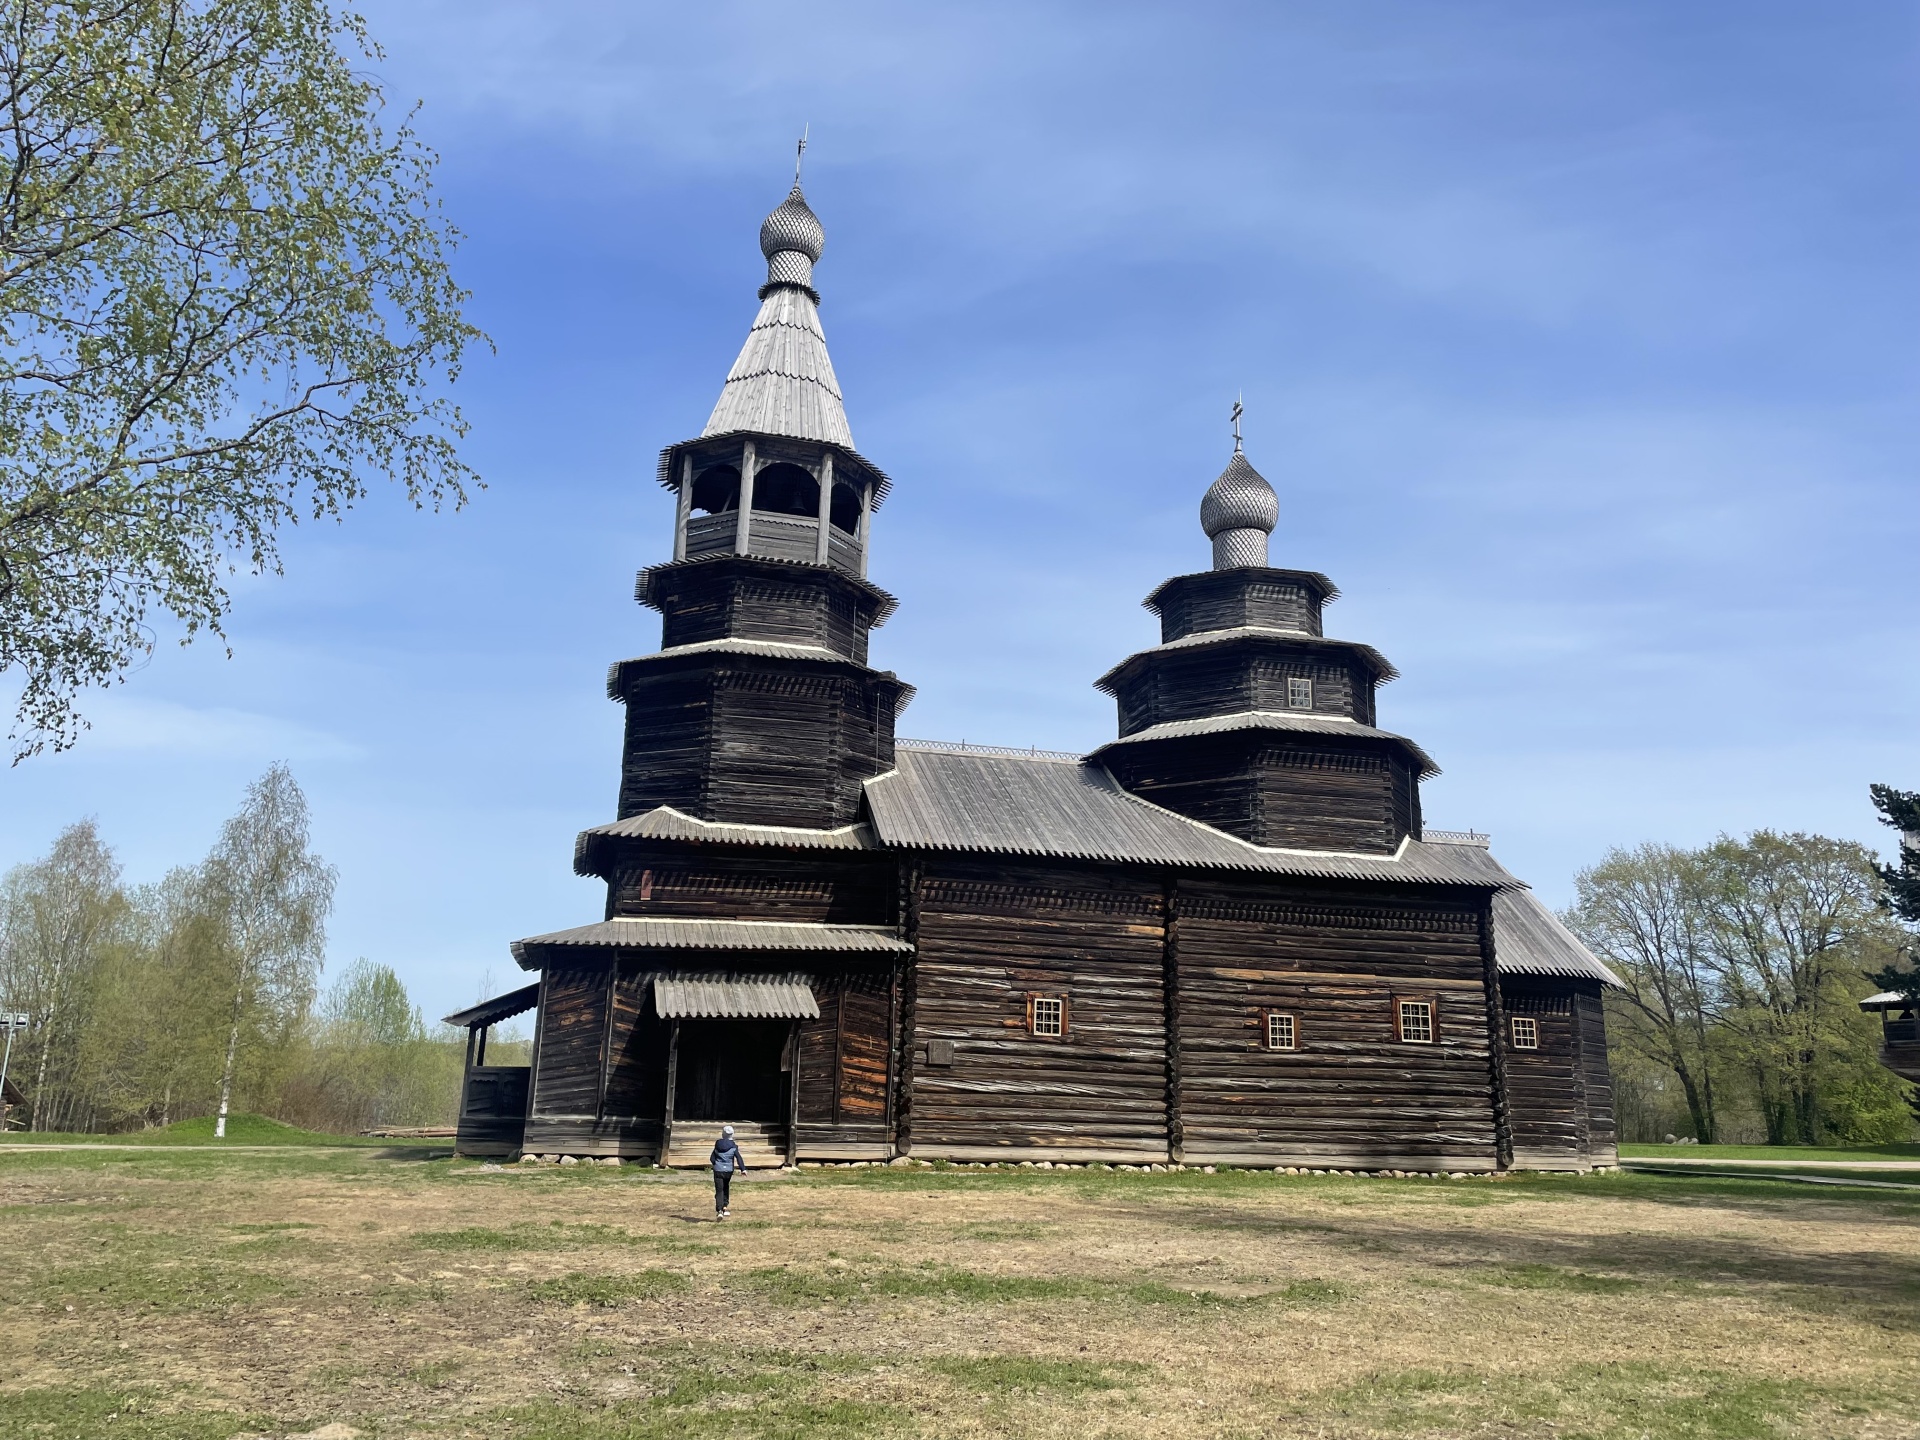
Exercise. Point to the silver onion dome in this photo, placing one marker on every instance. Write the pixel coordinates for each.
(791, 239)
(1238, 514)
(793, 226)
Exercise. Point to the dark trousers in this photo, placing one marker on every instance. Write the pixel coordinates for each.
(722, 1183)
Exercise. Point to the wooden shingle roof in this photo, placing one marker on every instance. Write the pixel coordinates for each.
(1073, 809)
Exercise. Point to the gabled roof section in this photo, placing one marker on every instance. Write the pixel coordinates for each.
(1071, 809)
(1528, 939)
(783, 381)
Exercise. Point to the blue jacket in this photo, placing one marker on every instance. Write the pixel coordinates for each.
(726, 1156)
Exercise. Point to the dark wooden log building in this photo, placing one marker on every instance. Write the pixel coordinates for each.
(1225, 937)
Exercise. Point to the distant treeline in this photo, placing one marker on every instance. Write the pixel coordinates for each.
(201, 993)
(1744, 963)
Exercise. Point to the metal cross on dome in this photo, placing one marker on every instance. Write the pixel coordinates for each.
(800, 154)
(1238, 411)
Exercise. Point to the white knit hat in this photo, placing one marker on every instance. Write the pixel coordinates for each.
(726, 1129)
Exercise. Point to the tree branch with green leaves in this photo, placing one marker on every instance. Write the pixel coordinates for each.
(225, 306)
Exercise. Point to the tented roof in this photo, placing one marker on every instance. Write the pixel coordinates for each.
(783, 381)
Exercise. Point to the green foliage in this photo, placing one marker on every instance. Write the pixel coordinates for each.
(224, 302)
(1901, 810)
(369, 1060)
(1743, 964)
(177, 999)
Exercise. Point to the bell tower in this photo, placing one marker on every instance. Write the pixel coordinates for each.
(1246, 716)
(759, 707)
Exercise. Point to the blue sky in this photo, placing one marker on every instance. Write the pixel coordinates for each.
(1578, 340)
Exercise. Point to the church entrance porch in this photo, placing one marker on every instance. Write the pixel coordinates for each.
(732, 1071)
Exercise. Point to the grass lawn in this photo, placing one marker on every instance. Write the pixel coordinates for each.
(1782, 1153)
(241, 1130)
(174, 1293)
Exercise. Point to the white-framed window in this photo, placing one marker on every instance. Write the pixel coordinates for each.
(1047, 1016)
(1299, 693)
(1413, 1021)
(1526, 1033)
(1283, 1031)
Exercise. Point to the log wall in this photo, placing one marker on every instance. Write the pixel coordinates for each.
(1228, 599)
(990, 938)
(1293, 794)
(1238, 675)
(1560, 1095)
(1352, 1095)
(754, 740)
(843, 1069)
(821, 887)
(743, 600)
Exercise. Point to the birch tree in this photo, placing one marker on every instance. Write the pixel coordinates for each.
(271, 896)
(57, 918)
(225, 305)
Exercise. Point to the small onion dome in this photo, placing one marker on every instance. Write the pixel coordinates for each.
(793, 226)
(791, 239)
(1238, 514)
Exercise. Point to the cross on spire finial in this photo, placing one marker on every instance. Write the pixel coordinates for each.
(800, 153)
(1238, 411)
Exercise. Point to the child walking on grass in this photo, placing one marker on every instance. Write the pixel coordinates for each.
(726, 1160)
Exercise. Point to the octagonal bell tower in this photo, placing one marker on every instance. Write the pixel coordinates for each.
(759, 707)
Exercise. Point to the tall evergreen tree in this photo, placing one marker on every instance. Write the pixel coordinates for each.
(1901, 810)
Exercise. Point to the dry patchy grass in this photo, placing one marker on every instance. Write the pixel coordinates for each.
(203, 1295)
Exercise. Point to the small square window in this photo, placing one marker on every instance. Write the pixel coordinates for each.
(1047, 1015)
(1526, 1033)
(1416, 1022)
(1282, 1033)
(1299, 694)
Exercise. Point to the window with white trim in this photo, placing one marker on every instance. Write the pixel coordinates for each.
(1526, 1033)
(1047, 1016)
(1283, 1031)
(1415, 1021)
(1299, 693)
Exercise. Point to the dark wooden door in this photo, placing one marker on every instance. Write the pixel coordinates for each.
(730, 1070)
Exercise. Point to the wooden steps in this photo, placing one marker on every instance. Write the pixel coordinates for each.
(762, 1147)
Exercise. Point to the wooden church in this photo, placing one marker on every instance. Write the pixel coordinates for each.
(1224, 937)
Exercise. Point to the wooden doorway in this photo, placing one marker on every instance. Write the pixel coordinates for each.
(731, 1070)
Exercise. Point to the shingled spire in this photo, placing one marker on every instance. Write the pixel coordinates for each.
(783, 382)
